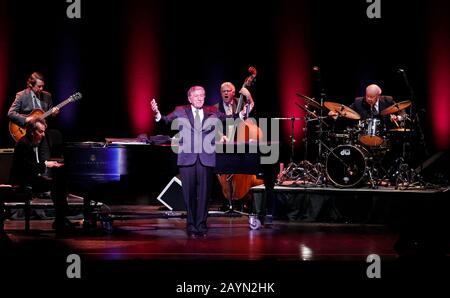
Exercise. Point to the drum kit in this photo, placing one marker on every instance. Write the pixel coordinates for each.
(352, 157)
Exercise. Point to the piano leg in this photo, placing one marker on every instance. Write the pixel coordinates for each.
(89, 221)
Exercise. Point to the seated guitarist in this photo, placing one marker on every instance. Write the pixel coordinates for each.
(32, 98)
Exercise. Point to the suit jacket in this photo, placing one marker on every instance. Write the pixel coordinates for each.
(23, 105)
(363, 109)
(25, 168)
(220, 107)
(187, 155)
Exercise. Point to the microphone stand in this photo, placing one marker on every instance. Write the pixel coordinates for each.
(312, 172)
(404, 174)
(292, 139)
(415, 116)
(322, 97)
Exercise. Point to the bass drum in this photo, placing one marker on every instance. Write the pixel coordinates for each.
(346, 165)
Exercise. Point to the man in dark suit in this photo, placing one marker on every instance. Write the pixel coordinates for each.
(229, 101)
(33, 97)
(228, 104)
(30, 168)
(372, 104)
(196, 154)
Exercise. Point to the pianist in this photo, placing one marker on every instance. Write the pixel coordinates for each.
(30, 168)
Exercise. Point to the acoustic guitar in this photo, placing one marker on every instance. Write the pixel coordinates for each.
(18, 131)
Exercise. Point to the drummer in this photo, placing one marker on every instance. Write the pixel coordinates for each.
(371, 105)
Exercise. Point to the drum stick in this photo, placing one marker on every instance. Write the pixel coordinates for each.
(395, 121)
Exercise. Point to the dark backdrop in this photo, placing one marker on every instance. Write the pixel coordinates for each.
(205, 43)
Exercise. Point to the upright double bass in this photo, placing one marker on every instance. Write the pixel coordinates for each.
(246, 130)
(237, 186)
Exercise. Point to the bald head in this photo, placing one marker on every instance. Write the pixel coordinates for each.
(372, 94)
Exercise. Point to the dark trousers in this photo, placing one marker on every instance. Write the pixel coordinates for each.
(196, 180)
(58, 190)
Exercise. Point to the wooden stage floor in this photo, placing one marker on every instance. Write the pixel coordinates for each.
(158, 250)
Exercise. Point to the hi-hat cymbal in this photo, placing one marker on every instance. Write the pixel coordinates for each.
(400, 129)
(314, 116)
(396, 107)
(342, 110)
(310, 102)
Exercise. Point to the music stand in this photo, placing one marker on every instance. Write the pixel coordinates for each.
(231, 162)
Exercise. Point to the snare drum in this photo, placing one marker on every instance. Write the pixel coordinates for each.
(344, 137)
(371, 132)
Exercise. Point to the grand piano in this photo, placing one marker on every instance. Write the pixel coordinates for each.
(128, 170)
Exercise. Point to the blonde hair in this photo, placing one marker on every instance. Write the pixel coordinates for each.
(227, 84)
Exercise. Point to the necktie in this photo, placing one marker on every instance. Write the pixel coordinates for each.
(197, 121)
(374, 111)
(229, 110)
(35, 149)
(197, 132)
(36, 103)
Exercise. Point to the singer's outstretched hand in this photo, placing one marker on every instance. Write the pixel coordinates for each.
(154, 106)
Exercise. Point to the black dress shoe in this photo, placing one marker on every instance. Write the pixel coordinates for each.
(225, 207)
(190, 234)
(200, 235)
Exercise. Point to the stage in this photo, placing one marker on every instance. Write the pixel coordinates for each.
(340, 99)
(382, 205)
(146, 240)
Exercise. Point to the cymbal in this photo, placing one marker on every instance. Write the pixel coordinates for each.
(396, 107)
(400, 129)
(311, 113)
(342, 110)
(310, 101)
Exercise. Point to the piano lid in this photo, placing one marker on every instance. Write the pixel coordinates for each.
(125, 141)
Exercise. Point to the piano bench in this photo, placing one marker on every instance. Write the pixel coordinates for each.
(12, 195)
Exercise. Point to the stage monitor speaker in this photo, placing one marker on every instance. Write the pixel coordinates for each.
(6, 158)
(172, 196)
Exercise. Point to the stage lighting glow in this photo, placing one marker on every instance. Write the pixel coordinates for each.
(142, 69)
(294, 71)
(4, 41)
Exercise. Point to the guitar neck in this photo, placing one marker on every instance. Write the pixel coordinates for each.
(59, 106)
